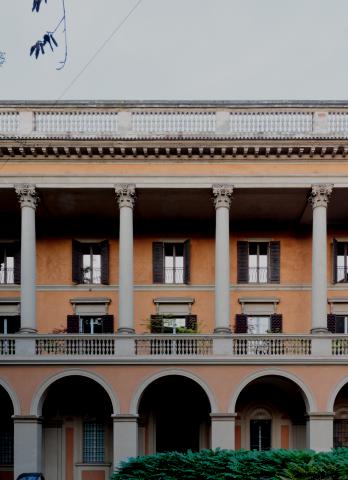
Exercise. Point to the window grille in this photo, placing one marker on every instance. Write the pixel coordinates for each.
(93, 442)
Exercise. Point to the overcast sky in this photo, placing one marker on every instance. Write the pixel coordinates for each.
(179, 49)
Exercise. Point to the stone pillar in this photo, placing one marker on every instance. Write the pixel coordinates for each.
(223, 431)
(222, 201)
(320, 431)
(27, 444)
(319, 199)
(125, 435)
(28, 200)
(125, 195)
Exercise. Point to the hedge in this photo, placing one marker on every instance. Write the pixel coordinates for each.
(237, 465)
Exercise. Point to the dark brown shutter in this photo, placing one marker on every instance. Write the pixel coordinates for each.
(104, 252)
(108, 323)
(156, 323)
(191, 322)
(158, 262)
(242, 262)
(17, 262)
(73, 323)
(241, 323)
(331, 323)
(76, 261)
(13, 324)
(274, 262)
(334, 260)
(187, 261)
(276, 323)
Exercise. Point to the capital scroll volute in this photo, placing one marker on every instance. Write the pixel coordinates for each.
(222, 195)
(320, 195)
(125, 195)
(27, 195)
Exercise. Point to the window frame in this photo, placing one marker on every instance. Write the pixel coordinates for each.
(86, 454)
(78, 247)
(336, 244)
(159, 262)
(273, 261)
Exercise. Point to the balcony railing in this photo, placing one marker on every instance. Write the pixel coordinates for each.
(6, 275)
(174, 275)
(110, 347)
(258, 274)
(102, 121)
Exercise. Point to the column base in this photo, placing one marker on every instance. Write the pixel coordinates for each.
(125, 331)
(27, 330)
(319, 330)
(222, 331)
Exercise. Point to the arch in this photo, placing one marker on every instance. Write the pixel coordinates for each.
(39, 396)
(13, 396)
(334, 393)
(134, 406)
(307, 394)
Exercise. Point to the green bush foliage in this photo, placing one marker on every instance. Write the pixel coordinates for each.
(237, 465)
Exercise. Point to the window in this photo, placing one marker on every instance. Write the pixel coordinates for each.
(340, 433)
(173, 324)
(340, 250)
(10, 263)
(93, 442)
(91, 324)
(258, 262)
(90, 262)
(259, 324)
(171, 262)
(337, 323)
(260, 435)
(9, 324)
(6, 445)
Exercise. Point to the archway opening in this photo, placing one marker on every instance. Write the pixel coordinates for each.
(271, 413)
(340, 428)
(174, 415)
(6, 434)
(77, 429)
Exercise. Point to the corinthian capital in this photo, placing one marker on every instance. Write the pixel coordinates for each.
(125, 194)
(27, 195)
(222, 195)
(320, 195)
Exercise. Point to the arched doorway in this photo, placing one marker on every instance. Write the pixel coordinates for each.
(271, 413)
(6, 435)
(174, 415)
(340, 427)
(77, 429)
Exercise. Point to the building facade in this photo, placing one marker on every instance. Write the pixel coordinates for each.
(173, 276)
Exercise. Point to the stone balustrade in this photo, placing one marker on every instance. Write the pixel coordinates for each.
(158, 121)
(109, 347)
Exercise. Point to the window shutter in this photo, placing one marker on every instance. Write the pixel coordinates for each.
(191, 322)
(331, 323)
(104, 251)
(13, 324)
(242, 262)
(73, 322)
(108, 323)
(334, 260)
(17, 263)
(187, 261)
(76, 261)
(274, 262)
(156, 323)
(241, 323)
(158, 262)
(276, 323)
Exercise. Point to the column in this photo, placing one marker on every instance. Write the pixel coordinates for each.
(27, 444)
(222, 430)
(222, 201)
(319, 199)
(28, 200)
(125, 438)
(125, 195)
(320, 431)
